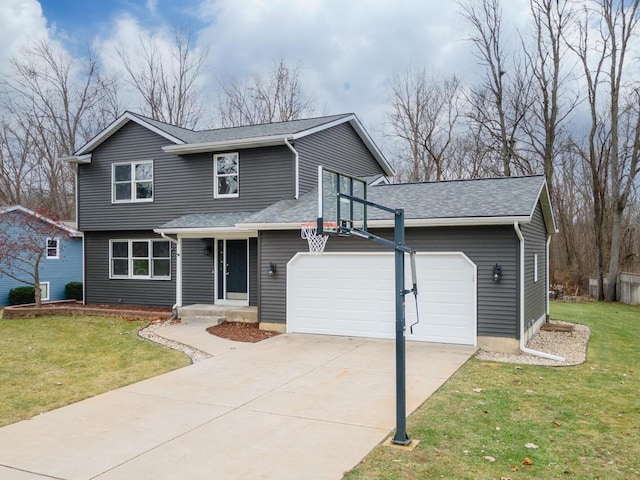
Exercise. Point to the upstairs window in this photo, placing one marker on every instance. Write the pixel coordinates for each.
(145, 259)
(226, 175)
(52, 248)
(132, 182)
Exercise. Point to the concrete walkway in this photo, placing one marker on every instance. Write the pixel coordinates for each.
(291, 407)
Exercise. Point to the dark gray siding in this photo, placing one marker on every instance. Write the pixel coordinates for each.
(99, 288)
(197, 271)
(485, 246)
(182, 184)
(339, 148)
(535, 293)
(253, 271)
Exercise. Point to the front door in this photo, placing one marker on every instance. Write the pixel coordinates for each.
(232, 270)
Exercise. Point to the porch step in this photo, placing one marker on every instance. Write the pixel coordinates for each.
(215, 314)
(208, 320)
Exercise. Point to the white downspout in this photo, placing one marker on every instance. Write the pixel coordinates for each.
(548, 279)
(523, 346)
(178, 244)
(297, 167)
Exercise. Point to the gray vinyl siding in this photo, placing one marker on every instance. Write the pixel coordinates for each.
(99, 288)
(485, 246)
(197, 271)
(535, 293)
(181, 184)
(339, 148)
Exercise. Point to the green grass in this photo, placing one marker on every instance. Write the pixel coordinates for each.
(585, 420)
(49, 362)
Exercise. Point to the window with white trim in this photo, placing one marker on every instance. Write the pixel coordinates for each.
(140, 259)
(535, 267)
(53, 250)
(44, 291)
(132, 182)
(226, 175)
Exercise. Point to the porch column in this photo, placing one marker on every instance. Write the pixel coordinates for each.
(179, 272)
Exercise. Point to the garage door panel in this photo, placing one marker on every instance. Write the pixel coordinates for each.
(353, 294)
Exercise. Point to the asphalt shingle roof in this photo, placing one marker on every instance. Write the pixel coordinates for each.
(477, 198)
(241, 133)
(207, 220)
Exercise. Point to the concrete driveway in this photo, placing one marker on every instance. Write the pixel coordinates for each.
(291, 407)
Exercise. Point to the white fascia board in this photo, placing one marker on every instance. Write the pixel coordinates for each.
(19, 208)
(409, 223)
(119, 123)
(80, 159)
(208, 232)
(186, 148)
(545, 201)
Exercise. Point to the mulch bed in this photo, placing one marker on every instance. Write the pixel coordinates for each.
(241, 332)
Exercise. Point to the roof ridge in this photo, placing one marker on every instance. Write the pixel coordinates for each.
(434, 182)
(338, 115)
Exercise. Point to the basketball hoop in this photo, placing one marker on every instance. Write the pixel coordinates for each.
(309, 231)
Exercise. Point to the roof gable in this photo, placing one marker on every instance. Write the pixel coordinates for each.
(185, 141)
(25, 211)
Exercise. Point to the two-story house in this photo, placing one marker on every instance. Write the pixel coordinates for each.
(173, 216)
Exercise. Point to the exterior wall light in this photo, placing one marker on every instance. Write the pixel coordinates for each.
(497, 273)
(272, 269)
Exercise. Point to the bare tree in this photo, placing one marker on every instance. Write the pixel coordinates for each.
(168, 85)
(50, 101)
(424, 115)
(24, 240)
(503, 99)
(611, 160)
(275, 96)
(552, 103)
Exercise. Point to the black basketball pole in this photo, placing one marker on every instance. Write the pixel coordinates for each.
(401, 437)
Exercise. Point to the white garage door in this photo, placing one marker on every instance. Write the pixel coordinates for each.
(353, 294)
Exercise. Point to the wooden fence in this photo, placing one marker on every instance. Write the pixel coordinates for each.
(628, 288)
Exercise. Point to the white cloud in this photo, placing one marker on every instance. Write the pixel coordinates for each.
(20, 22)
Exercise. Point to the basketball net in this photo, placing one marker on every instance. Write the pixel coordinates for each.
(309, 231)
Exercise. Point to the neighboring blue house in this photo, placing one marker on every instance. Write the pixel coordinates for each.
(62, 262)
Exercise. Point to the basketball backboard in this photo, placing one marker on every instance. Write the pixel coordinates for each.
(338, 211)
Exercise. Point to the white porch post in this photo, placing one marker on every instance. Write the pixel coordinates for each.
(179, 272)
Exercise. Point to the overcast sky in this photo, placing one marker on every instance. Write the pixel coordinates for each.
(348, 49)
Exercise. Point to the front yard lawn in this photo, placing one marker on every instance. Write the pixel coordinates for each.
(506, 421)
(49, 362)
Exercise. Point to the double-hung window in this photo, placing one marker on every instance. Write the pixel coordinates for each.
(132, 182)
(53, 250)
(142, 259)
(226, 177)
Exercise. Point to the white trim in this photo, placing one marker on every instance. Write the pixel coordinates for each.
(130, 274)
(218, 232)
(419, 222)
(535, 268)
(48, 296)
(132, 182)
(115, 126)
(72, 232)
(205, 147)
(546, 274)
(217, 194)
(546, 206)
(224, 300)
(57, 255)
(79, 159)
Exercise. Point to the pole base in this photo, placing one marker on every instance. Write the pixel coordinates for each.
(407, 448)
(403, 440)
